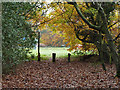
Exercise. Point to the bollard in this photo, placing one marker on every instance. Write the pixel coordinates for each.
(69, 57)
(53, 57)
(38, 56)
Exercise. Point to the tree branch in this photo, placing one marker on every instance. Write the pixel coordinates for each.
(27, 13)
(83, 18)
(103, 16)
(83, 40)
(47, 20)
(112, 25)
(116, 37)
(38, 20)
(76, 33)
(91, 13)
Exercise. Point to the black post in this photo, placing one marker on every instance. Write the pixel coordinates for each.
(53, 57)
(69, 57)
(38, 46)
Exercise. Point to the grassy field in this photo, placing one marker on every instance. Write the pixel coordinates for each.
(47, 51)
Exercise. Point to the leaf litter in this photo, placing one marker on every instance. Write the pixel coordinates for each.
(61, 74)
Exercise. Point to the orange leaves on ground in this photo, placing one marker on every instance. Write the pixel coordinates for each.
(61, 75)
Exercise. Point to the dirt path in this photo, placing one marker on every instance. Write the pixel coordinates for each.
(61, 74)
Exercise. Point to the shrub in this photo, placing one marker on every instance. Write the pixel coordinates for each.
(17, 35)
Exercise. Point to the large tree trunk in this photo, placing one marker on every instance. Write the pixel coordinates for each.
(105, 52)
(118, 70)
(109, 52)
(104, 29)
(113, 52)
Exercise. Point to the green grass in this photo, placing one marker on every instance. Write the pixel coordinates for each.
(47, 51)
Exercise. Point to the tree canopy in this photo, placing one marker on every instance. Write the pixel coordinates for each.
(92, 24)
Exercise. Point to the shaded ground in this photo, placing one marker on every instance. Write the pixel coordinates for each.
(61, 74)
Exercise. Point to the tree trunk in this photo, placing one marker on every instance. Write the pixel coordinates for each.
(105, 51)
(118, 70)
(113, 52)
(104, 29)
(101, 57)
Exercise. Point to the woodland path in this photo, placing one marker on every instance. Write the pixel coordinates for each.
(61, 74)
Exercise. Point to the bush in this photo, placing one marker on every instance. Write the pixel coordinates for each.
(17, 35)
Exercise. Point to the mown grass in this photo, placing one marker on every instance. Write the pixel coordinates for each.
(46, 53)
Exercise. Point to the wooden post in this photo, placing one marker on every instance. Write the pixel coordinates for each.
(38, 46)
(53, 57)
(69, 57)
